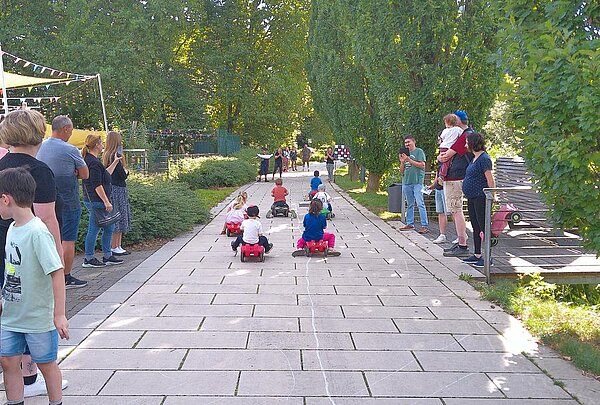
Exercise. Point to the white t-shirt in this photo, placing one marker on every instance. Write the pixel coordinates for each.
(324, 197)
(252, 229)
(449, 136)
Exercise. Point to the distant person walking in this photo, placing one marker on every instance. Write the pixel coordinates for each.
(306, 153)
(119, 196)
(278, 159)
(412, 167)
(66, 163)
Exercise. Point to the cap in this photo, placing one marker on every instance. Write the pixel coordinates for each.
(321, 187)
(462, 115)
(252, 211)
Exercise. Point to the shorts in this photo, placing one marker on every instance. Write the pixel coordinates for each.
(69, 228)
(453, 196)
(440, 203)
(42, 345)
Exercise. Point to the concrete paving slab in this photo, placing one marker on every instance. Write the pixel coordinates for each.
(250, 324)
(527, 386)
(124, 359)
(192, 400)
(347, 325)
(477, 362)
(431, 384)
(301, 383)
(171, 383)
(405, 341)
(299, 340)
(359, 360)
(444, 326)
(236, 360)
(294, 311)
(375, 311)
(193, 340)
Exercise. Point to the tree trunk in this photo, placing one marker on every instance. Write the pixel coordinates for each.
(373, 182)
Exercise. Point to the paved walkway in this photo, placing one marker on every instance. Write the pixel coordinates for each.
(387, 322)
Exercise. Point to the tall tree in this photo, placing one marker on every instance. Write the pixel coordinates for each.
(398, 67)
(251, 56)
(553, 49)
(134, 45)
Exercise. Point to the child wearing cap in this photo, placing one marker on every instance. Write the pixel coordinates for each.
(252, 232)
(324, 197)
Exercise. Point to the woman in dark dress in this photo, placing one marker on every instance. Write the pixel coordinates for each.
(118, 196)
(278, 162)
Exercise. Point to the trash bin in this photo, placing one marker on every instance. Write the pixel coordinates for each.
(395, 197)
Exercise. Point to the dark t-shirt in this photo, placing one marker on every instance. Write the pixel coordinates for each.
(98, 177)
(45, 191)
(119, 176)
(461, 160)
(475, 180)
(329, 160)
(313, 227)
(278, 158)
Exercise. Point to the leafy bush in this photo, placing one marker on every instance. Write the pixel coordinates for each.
(160, 209)
(213, 172)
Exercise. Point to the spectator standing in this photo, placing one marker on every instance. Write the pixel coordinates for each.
(329, 163)
(294, 158)
(412, 167)
(23, 131)
(453, 185)
(286, 159)
(278, 159)
(478, 176)
(119, 197)
(66, 163)
(96, 195)
(306, 153)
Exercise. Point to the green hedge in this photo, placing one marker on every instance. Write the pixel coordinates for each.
(213, 172)
(160, 208)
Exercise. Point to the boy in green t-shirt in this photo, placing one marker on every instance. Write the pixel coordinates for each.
(33, 313)
(412, 167)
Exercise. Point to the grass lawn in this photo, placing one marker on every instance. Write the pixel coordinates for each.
(375, 202)
(565, 317)
(209, 197)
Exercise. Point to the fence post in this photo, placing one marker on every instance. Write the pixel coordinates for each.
(487, 242)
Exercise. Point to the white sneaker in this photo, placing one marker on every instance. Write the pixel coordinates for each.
(440, 239)
(455, 241)
(39, 387)
(118, 250)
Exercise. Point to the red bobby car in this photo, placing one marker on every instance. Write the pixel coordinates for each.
(313, 246)
(233, 228)
(507, 215)
(254, 250)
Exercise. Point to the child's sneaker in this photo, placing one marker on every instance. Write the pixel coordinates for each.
(269, 247)
(233, 248)
(39, 387)
(440, 239)
(299, 252)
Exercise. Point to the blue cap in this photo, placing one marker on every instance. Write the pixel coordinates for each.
(462, 115)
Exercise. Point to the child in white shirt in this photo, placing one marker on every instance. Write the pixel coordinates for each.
(447, 139)
(324, 197)
(252, 232)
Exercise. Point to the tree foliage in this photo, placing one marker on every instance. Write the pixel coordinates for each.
(553, 48)
(380, 69)
(201, 64)
(250, 55)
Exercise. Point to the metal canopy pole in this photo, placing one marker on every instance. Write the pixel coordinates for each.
(102, 102)
(4, 95)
